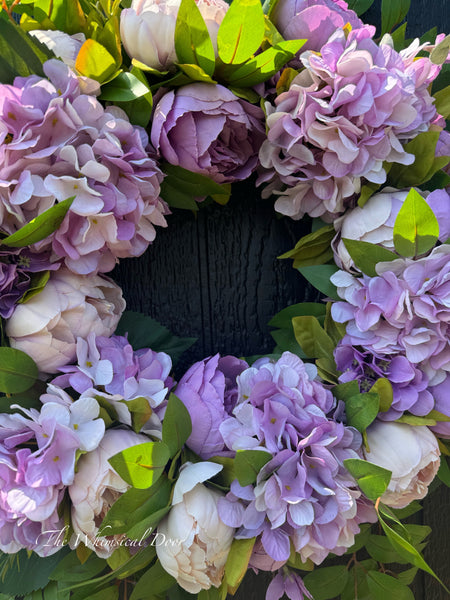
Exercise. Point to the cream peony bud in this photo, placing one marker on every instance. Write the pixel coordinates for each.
(95, 489)
(193, 543)
(47, 326)
(147, 29)
(410, 452)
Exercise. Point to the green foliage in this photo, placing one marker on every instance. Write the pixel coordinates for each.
(177, 426)
(193, 44)
(444, 471)
(442, 102)
(283, 319)
(248, 463)
(71, 570)
(319, 277)
(18, 371)
(312, 249)
(416, 227)
(372, 479)
(392, 13)
(237, 562)
(362, 410)
(382, 586)
(141, 465)
(440, 53)
(313, 339)
(125, 87)
(21, 574)
(327, 582)
(154, 581)
(138, 110)
(366, 256)
(360, 6)
(145, 332)
(95, 61)
(40, 227)
(38, 281)
(140, 410)
(241, 31)
(383, 388)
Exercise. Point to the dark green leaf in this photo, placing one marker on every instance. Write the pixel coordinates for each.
(360, 6)
(140, 410)
(416, 227)
(367, 191)
(124, 88)
(248, 463)
(444, 471)
(22, 574)
(283, 319)
(38, 281)
(327, 582)
(155, 580)
(192, 42)
(312, 338)
(286, 342)
(241, 31)
(227, 475)
(372, 479)
(392, 13)
(380, 548)
(18, 371)
(326, 369)
(139, 111)
(40, 227)
(177, 426)
(362, 410)
(70, 570)
(28, 399)
(319, 277)
(344, 391)
(442, 102)
(335, 330)
(312, 249)
(407, 577)
(145, 332)
(366, 256)
(384, 586)
(140, 531)
(141, 465)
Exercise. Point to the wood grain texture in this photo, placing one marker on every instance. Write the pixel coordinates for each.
(215, 276)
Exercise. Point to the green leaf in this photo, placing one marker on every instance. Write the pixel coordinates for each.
(141, 465)
(241, 31)
(195, 73)
(283, 319)
(237, 562)
(286, 342)
(70, 570)
(426, 164)
(362, 410)
(38, 281)
(407, 577)
(366, 256)
(248, 463)
(380, 549)
(125, 87)
(140, 410)
(383, 388)
(40, 227)
(444, 471)
(360, 6)
(145, 332)
(193, 44)
(177, 426)
(416, 227)
(326, 369)
(155, 580)
(335, 330)
(414, 420)
(372, 479)
(327, 582)
(312, 249)
(344, 391)
(312, 337)
(319, 277)
(440, 53)
(18, 371)
(227, 475)
(392, 13)
(367, 191)
(384, 586)
(94, 61)
(442, 102)
(141, 530)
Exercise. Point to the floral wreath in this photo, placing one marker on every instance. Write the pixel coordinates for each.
(114, 477)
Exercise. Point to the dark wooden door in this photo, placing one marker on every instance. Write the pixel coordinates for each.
(216, 276)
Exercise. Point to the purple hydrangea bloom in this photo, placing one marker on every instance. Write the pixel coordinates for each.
(303, 495)
(57, 141)
(209, 391)
(345, 115)
(37, 463)
(441, 397)
(403, 310)
(206, 129)
(312, 20)
(288, 583)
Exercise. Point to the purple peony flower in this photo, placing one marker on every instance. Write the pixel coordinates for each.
(58, 142)
(345, 115)
(206, 129)
(312, 20)
(404, 310)
(303, 495)
(209, 391)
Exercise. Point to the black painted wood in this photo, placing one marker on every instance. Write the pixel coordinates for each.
(215, 276)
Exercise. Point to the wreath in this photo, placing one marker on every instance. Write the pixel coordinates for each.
(118, 479)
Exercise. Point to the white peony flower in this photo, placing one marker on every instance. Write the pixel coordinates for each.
(95, 489)
(192, 542)
(410, 452)
(147, 29)
(63, 45)
(47, 326)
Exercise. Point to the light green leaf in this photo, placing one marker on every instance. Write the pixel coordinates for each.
(414, 420)
(141, 465)
(416, 227)
(18, 371)
(384, 586)
(335, 330)
(362, 410)
(195, 73)
(312, 249)
(326, 369)
(319, 277)
(312, 337)
(327, 582)
(372, 479)
(383, 388)
(40, 227)
(155, 581)
(125, 87)
(241, 31)
(94, 61)
(366, 256)
(140, 410)
(392, 13)
(442, 102)
(248, 463)
(367, 191)
(237, 562)
(177, 426)
(440, 53)
(193, 44)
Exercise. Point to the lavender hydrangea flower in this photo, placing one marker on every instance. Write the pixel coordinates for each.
(403, 310)
(209, 391)
(303, 495)
(288, 583)
(206, 129)
(37, 463)
(57, 141)
(343, 116)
